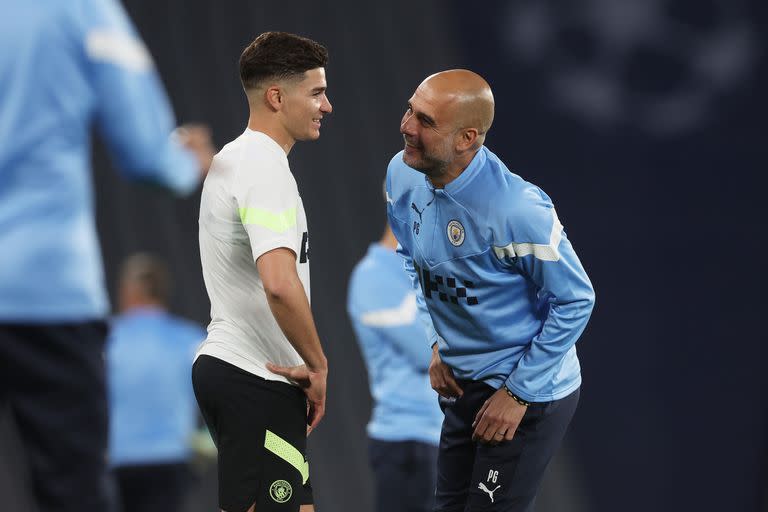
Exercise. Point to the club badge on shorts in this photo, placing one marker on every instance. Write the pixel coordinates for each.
(280, 491)
(455, 233)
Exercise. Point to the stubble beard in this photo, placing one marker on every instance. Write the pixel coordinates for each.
(429, 165)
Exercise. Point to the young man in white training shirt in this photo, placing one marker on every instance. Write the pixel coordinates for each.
(260, 375)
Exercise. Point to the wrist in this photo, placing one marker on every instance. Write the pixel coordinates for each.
(320, 366)
(520, 401)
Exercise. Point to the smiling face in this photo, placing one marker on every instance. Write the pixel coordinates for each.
(304, 104)
(445, 123)
(429, 132)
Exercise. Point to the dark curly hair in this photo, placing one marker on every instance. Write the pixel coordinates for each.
(279, 55)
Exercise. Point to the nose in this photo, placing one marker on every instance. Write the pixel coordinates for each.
(406, 127)
(326, 107)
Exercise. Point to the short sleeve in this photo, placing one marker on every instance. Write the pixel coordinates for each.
(268, 205)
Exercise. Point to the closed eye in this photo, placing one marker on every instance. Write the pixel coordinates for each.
(425, 120)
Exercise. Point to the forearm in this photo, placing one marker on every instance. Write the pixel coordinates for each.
(293, 314)
(571, 300)
(537, 369)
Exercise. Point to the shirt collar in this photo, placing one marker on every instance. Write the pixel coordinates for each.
(477, 163)
(145, 311)
(378, 249)
(269, 142)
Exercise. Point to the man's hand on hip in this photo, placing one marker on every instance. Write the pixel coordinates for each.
(498, 418)
(312, 382)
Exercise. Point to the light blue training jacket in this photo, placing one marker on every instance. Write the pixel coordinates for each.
(382, 307)
(65, 66)
(152, 408)
(500, 287)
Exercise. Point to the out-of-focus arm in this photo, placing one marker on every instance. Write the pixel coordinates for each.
(133, 112)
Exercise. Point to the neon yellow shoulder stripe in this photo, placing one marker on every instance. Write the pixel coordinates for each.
(277, 222)
(288, 453)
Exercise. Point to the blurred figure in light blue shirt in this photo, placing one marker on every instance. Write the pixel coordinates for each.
(404, 430)
(67, 67)
(153, 413)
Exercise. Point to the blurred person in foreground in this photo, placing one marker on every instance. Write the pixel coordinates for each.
(502, 289)
(153, 415)
(405, 424)
(260, 377)
(64, 67)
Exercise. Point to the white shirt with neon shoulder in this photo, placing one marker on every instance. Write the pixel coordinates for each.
(250, 205)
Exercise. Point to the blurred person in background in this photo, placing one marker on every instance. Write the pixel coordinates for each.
(503, 289)
(66, 66)
(260, 377)
(404, 430)
(153, 415)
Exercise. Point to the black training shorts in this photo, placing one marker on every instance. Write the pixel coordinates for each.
(260, 429)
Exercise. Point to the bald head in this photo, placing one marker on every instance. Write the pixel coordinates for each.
(465, 95)
(445, 123)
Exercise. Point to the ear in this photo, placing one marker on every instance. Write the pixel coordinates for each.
(467, 139)
(274, 97)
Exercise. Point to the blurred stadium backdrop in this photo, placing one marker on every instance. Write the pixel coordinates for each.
(645, 120)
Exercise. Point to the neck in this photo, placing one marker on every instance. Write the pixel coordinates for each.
(268, 124)
(454, 169)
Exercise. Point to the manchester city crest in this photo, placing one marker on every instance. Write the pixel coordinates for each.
(455, 233)
(280, 491)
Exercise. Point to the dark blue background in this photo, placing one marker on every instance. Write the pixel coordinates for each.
(671, 228)
(668, 217)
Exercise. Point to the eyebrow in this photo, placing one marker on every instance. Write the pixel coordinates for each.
(319, 89)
